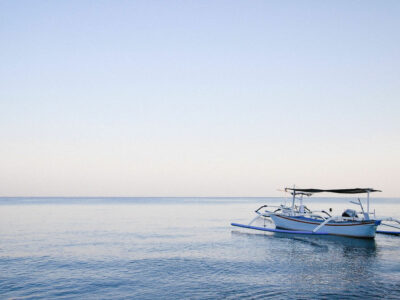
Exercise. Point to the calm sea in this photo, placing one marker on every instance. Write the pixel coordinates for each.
(183, 248)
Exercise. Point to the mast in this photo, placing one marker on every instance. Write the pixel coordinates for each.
(301, 209)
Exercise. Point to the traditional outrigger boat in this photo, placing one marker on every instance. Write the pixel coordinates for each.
(298, 219)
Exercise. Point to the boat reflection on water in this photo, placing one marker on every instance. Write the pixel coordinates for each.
(339, 240)
(318, 240)
(326, 266)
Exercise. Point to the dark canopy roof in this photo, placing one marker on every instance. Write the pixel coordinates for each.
(339, 191)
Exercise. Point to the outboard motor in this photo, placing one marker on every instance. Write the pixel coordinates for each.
(350, 213)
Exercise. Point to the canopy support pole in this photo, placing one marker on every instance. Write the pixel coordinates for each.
(293, 201)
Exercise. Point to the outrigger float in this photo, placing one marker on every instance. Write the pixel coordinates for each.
(298, 219)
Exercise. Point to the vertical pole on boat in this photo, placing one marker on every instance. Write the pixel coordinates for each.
(368, 203)
(301, 204)
(294, 198)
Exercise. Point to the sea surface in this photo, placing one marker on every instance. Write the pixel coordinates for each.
(184, 248)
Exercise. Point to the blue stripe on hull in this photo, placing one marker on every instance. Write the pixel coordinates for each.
(330, 223)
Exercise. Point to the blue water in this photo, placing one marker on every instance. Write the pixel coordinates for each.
(183, 248)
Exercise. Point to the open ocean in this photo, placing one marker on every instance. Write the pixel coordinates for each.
(184, 248)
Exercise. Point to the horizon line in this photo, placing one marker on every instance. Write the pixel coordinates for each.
(342, 196)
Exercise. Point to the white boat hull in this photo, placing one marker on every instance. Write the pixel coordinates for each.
(362, 229)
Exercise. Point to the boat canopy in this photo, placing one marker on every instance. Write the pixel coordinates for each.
(338, 191)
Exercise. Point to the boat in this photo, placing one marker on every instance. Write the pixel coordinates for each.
(299, 219)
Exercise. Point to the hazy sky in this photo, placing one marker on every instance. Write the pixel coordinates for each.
(198, 98)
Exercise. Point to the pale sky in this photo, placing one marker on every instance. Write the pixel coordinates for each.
(198, 98)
